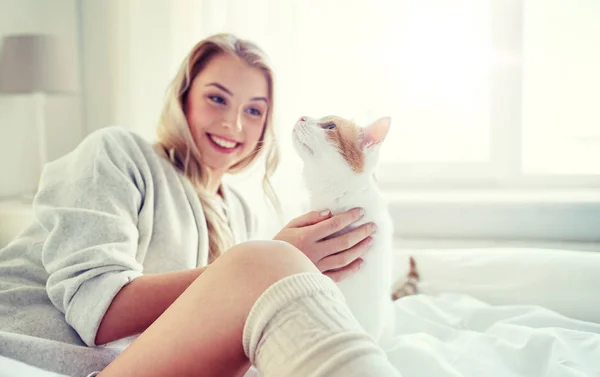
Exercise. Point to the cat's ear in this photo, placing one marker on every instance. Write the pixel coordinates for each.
(375, 133)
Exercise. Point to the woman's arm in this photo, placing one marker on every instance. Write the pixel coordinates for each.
(89, 203)
(141, 302)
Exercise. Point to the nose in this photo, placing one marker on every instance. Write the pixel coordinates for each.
(233, 120)
(302, 119)
(238, 123)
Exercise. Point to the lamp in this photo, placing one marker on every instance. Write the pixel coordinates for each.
(38, 64)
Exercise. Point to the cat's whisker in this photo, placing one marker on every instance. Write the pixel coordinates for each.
(302, 135)
(306, 134)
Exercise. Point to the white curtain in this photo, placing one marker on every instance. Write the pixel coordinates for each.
(433, 65)
(350, 58)
(345, 58)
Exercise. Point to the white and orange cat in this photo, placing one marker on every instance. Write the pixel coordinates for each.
(339, 161)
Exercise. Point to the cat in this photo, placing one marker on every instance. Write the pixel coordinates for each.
(339, 160)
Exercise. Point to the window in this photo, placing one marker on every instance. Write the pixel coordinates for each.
(483, 94)
(561, 87)
(495, 91)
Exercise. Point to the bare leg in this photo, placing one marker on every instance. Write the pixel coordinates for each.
(201, 334)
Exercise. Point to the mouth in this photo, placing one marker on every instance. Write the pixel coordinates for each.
(222, 144)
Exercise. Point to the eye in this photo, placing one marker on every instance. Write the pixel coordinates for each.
(254, 111)
(217, 99)
(328, 126)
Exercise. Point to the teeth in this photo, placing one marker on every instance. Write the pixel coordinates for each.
(222, 142)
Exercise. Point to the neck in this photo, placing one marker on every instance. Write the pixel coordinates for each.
(336, 191)
(213, 185)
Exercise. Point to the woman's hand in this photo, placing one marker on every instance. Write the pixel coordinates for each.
(337, 257)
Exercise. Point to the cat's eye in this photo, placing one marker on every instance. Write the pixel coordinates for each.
(329, 126)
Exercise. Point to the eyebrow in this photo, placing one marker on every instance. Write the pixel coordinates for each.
(259, 99)
(217, 85)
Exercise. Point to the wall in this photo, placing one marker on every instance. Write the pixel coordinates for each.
(127, 58)
(18, 139)
(124, 51)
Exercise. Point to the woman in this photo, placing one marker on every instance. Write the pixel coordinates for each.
(130, 238)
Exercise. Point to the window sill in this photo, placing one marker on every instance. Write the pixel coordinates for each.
(563, 215)
(473, 196)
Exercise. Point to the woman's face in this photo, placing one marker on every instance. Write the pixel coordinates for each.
(226, 110)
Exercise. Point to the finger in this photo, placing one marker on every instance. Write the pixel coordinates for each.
(345, 272)
(310, 218)
(336, 223)
(347, 240)
(345, 258)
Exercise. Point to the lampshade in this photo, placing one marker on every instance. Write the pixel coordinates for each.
(37, 63)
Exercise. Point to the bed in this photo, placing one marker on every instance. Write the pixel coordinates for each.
(499, 312)
(506, 312)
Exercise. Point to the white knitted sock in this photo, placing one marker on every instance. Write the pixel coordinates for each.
(301, 327)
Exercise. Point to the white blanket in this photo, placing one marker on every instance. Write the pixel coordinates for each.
(457, 335)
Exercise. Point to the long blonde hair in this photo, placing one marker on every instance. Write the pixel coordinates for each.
(175, 140)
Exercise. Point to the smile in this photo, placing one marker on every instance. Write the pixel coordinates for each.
(222, 143)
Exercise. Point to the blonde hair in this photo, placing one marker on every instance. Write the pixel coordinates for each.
(175, 140)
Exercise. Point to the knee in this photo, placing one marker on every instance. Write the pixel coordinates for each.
(275, 259)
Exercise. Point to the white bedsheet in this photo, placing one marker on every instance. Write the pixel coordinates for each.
(457, 335)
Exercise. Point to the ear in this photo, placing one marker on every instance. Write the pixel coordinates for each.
(375, 133)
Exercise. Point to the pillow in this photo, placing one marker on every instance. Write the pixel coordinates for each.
(565, 281)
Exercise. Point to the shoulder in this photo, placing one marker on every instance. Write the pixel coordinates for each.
(108, 152)
(117, 144)
(117, 139)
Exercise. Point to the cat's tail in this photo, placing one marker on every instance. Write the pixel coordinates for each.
(407, 286)
(413, 273)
